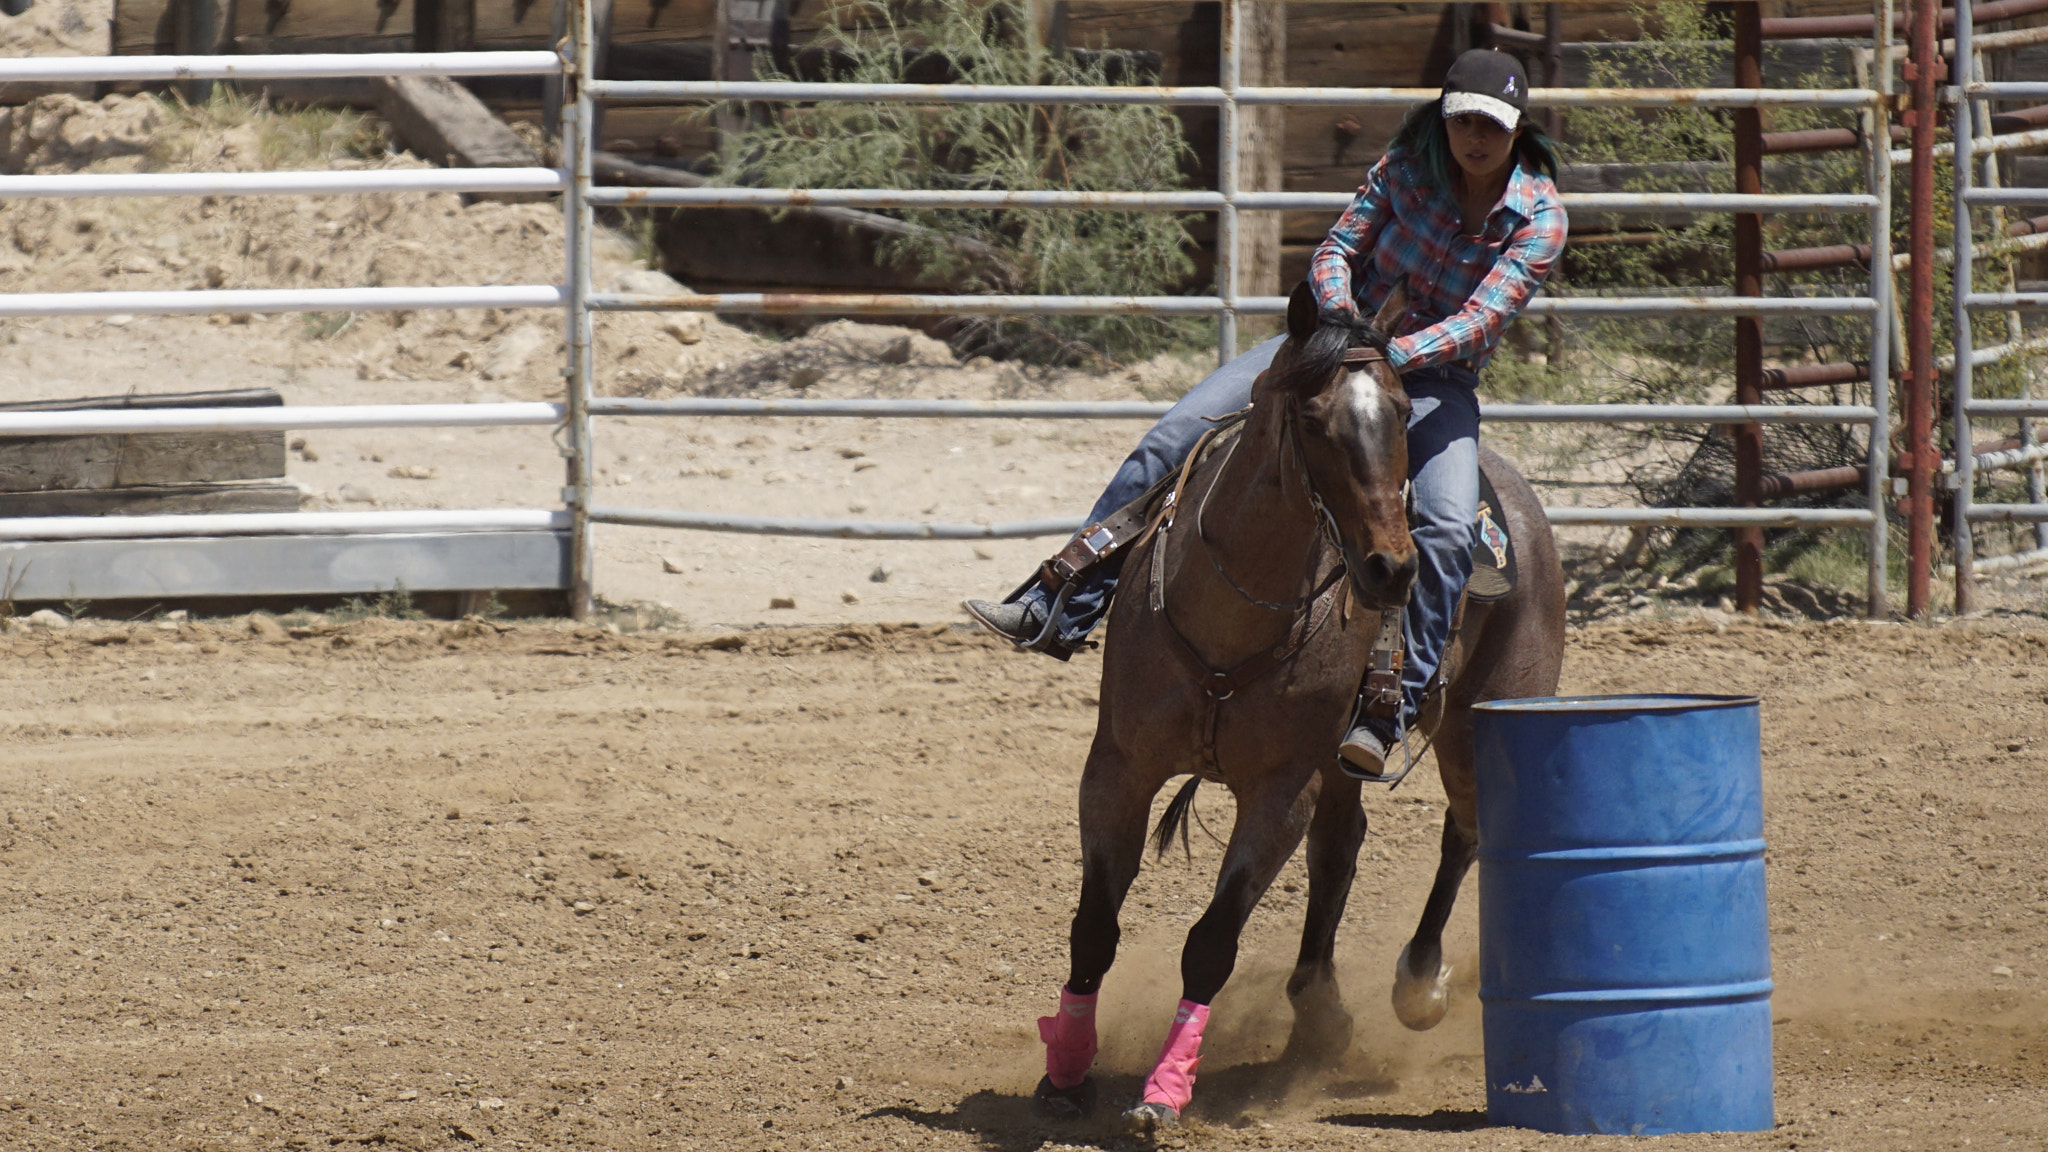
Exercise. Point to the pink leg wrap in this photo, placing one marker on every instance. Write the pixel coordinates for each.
(1172, 1082)
(1069, 1039)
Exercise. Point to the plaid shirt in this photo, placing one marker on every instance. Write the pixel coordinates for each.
(1462, 290)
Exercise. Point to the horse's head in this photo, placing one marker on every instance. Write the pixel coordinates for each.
(1349, 415)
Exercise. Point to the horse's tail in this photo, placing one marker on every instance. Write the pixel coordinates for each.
(1177, 813)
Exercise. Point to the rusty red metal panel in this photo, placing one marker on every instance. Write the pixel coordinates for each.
(1923, 69)
(1749, 331)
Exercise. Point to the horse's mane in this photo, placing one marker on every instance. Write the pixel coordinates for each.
(1319, 358)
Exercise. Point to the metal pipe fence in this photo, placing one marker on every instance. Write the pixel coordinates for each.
(576, 296)
(1970, 102)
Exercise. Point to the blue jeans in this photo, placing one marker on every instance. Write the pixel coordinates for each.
(1443, 464)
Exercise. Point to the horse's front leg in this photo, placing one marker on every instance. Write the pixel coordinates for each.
(1115, 802)
(1422, 981)
(1322, 1028)
(1269, 826)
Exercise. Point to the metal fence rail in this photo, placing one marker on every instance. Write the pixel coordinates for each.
(1226, 201)
(579, 301)
(1971, 111)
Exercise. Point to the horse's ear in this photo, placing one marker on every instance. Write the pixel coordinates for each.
(1301, 313)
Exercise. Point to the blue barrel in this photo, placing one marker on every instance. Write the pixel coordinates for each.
(1624, 951)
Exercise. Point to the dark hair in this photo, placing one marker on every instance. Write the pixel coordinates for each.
(1422, 136)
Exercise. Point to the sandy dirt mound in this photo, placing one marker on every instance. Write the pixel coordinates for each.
(428, 886)
(59, 28)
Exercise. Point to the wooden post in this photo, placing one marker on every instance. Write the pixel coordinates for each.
(1749, 332)
(443, 25)
(1263, 140)
(745, 28)
(197, 32)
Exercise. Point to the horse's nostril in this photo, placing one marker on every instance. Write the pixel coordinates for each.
(1389, 573)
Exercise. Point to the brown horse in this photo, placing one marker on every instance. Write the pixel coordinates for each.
(1240, 634)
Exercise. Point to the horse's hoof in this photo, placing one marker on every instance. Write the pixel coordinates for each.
(1075, 1103)
(1150, 1117)
(1421, 1003)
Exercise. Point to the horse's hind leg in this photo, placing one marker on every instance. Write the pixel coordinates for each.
(1114, 806)
(1322, 1028)
(1269, 826)
(1421, 979)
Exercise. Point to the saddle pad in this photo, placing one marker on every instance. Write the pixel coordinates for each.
(1493, 551)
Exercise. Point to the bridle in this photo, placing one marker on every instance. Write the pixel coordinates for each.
(1326, 521)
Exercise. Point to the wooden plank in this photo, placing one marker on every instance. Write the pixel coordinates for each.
(153, 499)
(59, 463)
(199, 457)
(36, 463)
(444, 123)
(323, 20)
(143, 27)
(32, 464)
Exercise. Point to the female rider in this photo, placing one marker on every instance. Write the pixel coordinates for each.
(1463, 214)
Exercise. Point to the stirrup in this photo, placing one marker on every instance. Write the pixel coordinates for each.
(1047, 639)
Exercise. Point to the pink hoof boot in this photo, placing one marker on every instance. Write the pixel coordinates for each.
(1069, 1040)
(1172, 1082)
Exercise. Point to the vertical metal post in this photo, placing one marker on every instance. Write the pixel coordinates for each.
(1553, 63)
(1226, 183)
(1964, 128)
(576, 146)
(1749, 330)
(1922, 68)
(1877, 140)
(1553, 120)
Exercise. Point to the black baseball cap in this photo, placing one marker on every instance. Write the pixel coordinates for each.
(1488, 82)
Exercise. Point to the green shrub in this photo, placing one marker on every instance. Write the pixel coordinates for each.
(994, 146)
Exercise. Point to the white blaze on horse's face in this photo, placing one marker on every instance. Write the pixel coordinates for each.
(1369, 409)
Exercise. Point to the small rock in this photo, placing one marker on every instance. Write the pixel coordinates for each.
(356, 494)
(776, 477)
(843, 1083)
(2015, 746)
(880, 575)
(623, 479)
(850, 454)
(2001, 970)
(177, 614)
(782, 602)
(687, 328)
(672, 567)
(509, 354)
(490, 1104)
(896, 351)
(981, 553)
(412, 472)
(409, 1094)
(583, 907)
(849, 596)
(932, 880)
(121, 319)
(454, 814)
(856, 506)
(805, 375)
(267, 630)
(49, 618)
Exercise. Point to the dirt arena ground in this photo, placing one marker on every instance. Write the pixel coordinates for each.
(421, 886)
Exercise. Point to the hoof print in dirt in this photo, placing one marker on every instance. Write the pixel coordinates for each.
(1150, 1117)
(1076, 1103)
